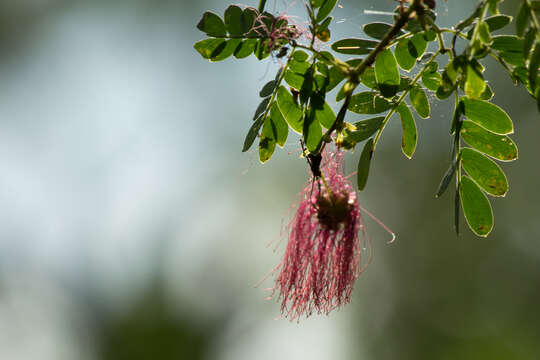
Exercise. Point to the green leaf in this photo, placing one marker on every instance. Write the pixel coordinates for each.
(245, 48)
(487, 94)
(475, 84)
(299, 67)
(409, 137)
(419, 101)
(323, 113)
(268, 88)
(510, 48)
(252, 133)
(368, 78)
(476, 207)
(212, 25)
(483, 33)
(248, 20)
(267, 143)
(312, 130)
(228, 50)
(447, 178)
(443, 92)
(294, 80)
(291, 111)
(387, 73)
(325, 10)
(368, 102)
(431, 80)
(484, 171)
(261, 49)
(522, 19)
(261, 108)
(507, 43)
(364, 130)
(528, 42)
(316, 3)
(354, 46)
(209, 47)
(377, 30)
(534, 64)
(335, 77)
(488, 115)
(501, 147)
(307, 86)
(417, 45)
(364, 163)
(497, 22)
(300, 56)
(279, 125)
(405, 60)
(233, 20)
(493, 6)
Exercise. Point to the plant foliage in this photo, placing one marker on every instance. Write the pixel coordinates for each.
(394, 69)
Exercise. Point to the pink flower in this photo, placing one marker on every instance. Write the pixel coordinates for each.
(323, 255)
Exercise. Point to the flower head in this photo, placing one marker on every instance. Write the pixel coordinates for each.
(323, 255)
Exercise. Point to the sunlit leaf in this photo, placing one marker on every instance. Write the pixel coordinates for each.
(209, 47)
(325, 10)
(291, 111)
(279, 125)
(476, 207)
(409, 137)
(501, 147)
(267, 142)
(245, 48)
(387, 73)
(484, 171)
(368, 103)
(431, 80)
(364, 130)
(419, 101)
(475, 83)
(488, 115)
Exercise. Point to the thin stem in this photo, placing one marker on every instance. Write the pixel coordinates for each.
(327, 188)
(278, 83)
(315, 51)
(402, 97)
(398, 25)
(262, 4)
(355, 73)
(477, 26)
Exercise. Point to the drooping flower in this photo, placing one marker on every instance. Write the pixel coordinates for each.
(326, 235)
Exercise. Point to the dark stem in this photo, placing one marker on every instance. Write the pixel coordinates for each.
(359, 70)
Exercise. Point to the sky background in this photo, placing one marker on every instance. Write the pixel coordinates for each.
(132, 227)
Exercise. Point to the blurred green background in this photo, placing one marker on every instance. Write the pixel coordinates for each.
(132, 227)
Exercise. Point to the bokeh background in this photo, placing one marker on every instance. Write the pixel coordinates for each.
(132, 227)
